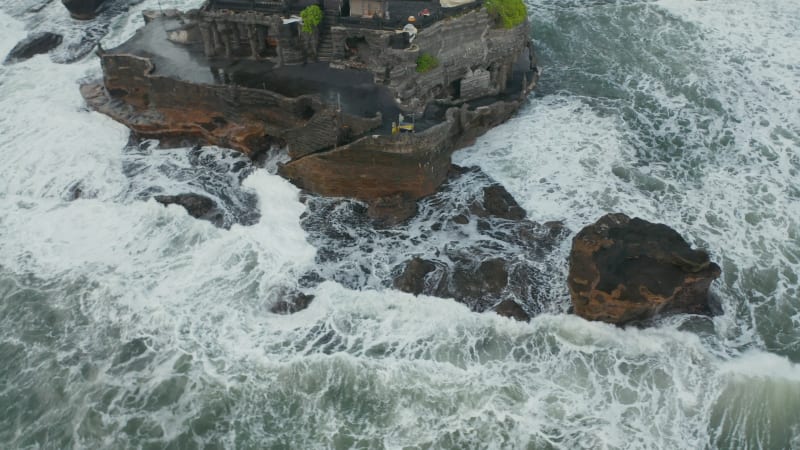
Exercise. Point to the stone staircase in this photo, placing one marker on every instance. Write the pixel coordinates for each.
(325, 47)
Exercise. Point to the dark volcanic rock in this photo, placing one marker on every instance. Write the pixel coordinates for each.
(33, 45)
(83, 9)
(468, 281)
(196, 205)
(624, 270)
(486, 280)
(479, 264)
(511, 309)
(392, 210)
(497, 202)
(412, 280)
(292, 303)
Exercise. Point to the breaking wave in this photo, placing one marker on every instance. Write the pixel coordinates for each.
(124, 323)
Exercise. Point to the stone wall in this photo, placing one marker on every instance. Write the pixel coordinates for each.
(472, 52)
(413, 165)
(252, 34)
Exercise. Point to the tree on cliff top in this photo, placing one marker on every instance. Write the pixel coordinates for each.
(312, 16)
(509, 12)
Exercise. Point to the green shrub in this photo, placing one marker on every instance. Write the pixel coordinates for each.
(510, 12)
(311, 16)
(426, 62)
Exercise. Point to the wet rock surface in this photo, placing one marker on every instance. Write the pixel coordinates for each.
(412, 279)
(80, 37)
(392, 210)
(625, 270)
(196, 205)
(512, 310)
(497, 202)
(209, 172)
(291, 303)
(83, 9)
(444, 251)
(32, 45)
(473, 280)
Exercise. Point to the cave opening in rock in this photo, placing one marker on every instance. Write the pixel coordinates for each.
(455, 89)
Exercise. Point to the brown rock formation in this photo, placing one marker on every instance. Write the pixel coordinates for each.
(624, 270)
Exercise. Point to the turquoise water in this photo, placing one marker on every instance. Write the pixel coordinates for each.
(124, 324)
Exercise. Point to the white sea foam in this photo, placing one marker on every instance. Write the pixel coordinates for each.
(134, 324)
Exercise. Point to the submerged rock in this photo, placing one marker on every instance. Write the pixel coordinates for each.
(196, 205)
(498, 202)
(486, 280)
(291, 303)
(511, 309)
(32, 45)
(392, 210)
(83, 9)
(412, 280)
(624, 270)
(468, 280)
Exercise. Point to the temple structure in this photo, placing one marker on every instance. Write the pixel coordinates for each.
(246, 74)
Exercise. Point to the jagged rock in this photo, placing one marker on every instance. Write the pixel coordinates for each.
(412, 280)
(83, 9)
(33, 45)
(511, 309)
(196, 205)
(461, 219)
(498, 202)
(625, 270)
(468, 281)
(292, 303)
(392, 210)
(486, 280)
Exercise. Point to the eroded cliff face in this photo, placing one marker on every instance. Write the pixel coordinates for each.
(475, 59)
(245, 119)
(624, 270)
(378, 166)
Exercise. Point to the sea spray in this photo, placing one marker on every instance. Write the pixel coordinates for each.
(125, 324)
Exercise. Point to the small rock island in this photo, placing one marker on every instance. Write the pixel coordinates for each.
(369, 97)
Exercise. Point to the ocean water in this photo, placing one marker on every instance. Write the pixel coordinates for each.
(125, 324)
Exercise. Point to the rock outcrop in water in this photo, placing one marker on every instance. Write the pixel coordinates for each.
(32, 45)
(83, 9)
(198, 206)
(624, 270)
(240, 74)
(490, 272)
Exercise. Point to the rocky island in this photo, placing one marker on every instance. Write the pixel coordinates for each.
(369, 98)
